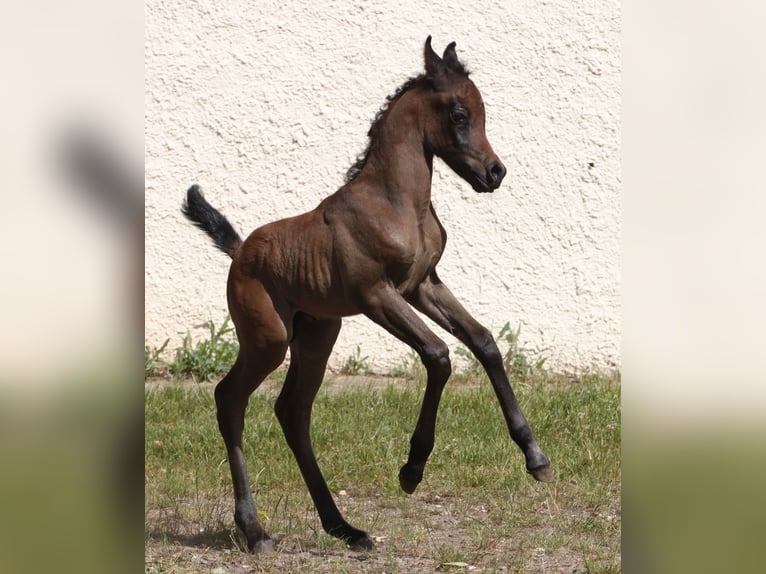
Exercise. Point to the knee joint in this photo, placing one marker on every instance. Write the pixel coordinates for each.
(437, 362)
(485, 347)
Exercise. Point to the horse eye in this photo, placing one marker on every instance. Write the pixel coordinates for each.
(458, 117)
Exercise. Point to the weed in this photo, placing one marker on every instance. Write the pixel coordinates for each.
(206, 358)
(411, 368)
(471, 369)
(517, 360)
(214, 356)
(356, 364)
(153, 364)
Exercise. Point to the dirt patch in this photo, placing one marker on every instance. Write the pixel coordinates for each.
(422, 533)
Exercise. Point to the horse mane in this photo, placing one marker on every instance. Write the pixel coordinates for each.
(356, 168)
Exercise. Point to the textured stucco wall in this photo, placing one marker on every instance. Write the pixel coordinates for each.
(266, 104)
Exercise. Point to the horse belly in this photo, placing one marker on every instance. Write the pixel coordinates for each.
(327, 307)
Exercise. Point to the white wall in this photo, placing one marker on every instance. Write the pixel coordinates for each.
(265, 104)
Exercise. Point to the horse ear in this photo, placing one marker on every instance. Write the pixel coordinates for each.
(434, 64)
(450, 58)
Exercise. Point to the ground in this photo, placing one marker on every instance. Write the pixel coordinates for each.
(454, 522)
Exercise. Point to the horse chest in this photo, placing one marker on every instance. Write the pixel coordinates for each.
(419, 260)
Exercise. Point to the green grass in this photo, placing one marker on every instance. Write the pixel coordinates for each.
(476, 504)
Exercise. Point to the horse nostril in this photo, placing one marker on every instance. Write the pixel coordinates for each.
(496, 172)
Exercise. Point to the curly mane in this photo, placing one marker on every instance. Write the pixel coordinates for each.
(356, 168)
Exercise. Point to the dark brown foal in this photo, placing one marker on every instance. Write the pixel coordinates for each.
(372, 248)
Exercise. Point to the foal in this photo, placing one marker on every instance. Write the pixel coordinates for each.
(372, 248)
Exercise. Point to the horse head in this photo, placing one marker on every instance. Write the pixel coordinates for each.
(454, 129)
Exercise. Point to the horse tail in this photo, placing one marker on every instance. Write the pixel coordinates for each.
(211, 221)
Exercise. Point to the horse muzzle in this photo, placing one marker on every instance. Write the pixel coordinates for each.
(490, 180)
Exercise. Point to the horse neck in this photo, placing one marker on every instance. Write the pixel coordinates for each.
(398, 161)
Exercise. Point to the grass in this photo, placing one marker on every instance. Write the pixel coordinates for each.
(476, 508)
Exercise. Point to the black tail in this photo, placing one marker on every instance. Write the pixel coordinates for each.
(210, 220)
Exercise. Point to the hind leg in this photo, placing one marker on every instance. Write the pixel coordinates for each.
(231, 398)
(311, 346)
(263, 341)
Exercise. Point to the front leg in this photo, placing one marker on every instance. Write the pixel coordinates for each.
(439, 304)
(387, 308)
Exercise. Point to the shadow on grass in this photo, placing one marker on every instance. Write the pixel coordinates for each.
(222, 539)
(216, 539)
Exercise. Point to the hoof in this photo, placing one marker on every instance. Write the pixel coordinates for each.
(409, 479)
(262, 546)
(542, 473)
(354, 539)
(362, 543)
